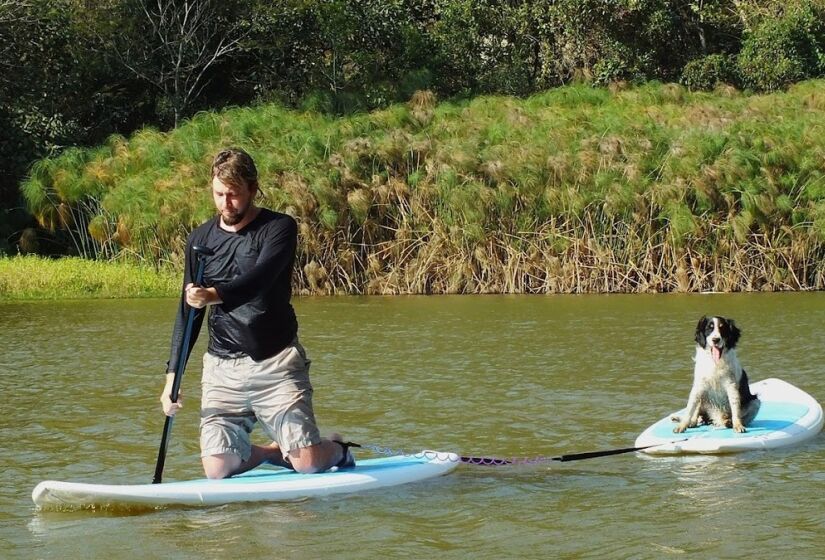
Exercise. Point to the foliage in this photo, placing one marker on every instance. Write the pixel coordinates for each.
(353, 53)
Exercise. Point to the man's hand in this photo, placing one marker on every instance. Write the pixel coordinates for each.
(201, 297)
(170, 408)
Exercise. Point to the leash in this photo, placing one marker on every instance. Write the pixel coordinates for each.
(503, 461)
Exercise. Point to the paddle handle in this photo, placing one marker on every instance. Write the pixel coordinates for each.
(183, 357)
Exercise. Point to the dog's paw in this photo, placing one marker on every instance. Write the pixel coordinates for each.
(680, 428)
(739, 428)
(675, 418)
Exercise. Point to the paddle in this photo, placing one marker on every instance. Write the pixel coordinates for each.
(183, 357)
(493, 461)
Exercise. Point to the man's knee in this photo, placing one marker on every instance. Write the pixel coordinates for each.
(217, 467)
(309, 460)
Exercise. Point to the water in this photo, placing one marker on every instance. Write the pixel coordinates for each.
(506, 376)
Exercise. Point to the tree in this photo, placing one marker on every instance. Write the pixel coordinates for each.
(38, 85)
(174, 45)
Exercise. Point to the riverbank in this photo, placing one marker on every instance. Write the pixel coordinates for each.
(31, 277)
(650, 188)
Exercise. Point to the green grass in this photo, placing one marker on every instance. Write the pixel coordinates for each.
(32, 277)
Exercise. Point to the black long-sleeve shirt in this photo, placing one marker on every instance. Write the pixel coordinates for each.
(252, 272)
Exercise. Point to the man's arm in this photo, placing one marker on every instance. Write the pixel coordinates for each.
(277, 253)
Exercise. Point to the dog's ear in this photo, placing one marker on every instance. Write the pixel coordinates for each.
(734, 335)
(701, 339)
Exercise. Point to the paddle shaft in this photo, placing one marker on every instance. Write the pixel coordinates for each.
(183, 357)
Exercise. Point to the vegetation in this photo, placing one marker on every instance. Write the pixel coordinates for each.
(73, 72)
(578, 189)
(33, 277)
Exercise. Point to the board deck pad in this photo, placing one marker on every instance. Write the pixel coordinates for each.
(787, 415)
(261, 484)
(772, 416)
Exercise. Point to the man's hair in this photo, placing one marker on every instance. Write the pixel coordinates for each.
(235, 167)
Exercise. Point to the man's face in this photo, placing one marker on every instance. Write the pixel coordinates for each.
(232, 202)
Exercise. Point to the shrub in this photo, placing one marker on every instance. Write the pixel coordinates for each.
(708, 72)
(783, 50)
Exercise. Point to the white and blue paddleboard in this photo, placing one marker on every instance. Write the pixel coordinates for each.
(787, 416)
(262, 484)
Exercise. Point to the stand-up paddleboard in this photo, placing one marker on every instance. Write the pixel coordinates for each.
(787, 416)
(262, 484)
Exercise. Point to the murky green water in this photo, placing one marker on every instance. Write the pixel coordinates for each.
(505, 376)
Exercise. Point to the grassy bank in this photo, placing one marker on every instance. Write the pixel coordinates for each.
(627, 189)
(30, 277)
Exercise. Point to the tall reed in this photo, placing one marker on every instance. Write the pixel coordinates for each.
(577, 189)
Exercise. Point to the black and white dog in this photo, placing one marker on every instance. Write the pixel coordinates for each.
(721, 394)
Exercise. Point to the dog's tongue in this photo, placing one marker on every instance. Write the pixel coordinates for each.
(716, 353)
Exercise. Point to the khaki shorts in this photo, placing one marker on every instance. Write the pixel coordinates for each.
(238, 392)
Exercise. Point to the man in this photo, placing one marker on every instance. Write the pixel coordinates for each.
(254, 369)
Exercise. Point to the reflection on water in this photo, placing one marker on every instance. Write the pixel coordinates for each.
(503, 376)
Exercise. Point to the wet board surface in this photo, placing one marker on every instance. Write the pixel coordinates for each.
(261, 484)
(787, 416)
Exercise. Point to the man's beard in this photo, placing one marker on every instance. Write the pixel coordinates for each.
(234, 218)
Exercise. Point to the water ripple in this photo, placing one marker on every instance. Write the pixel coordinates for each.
(500, 376)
